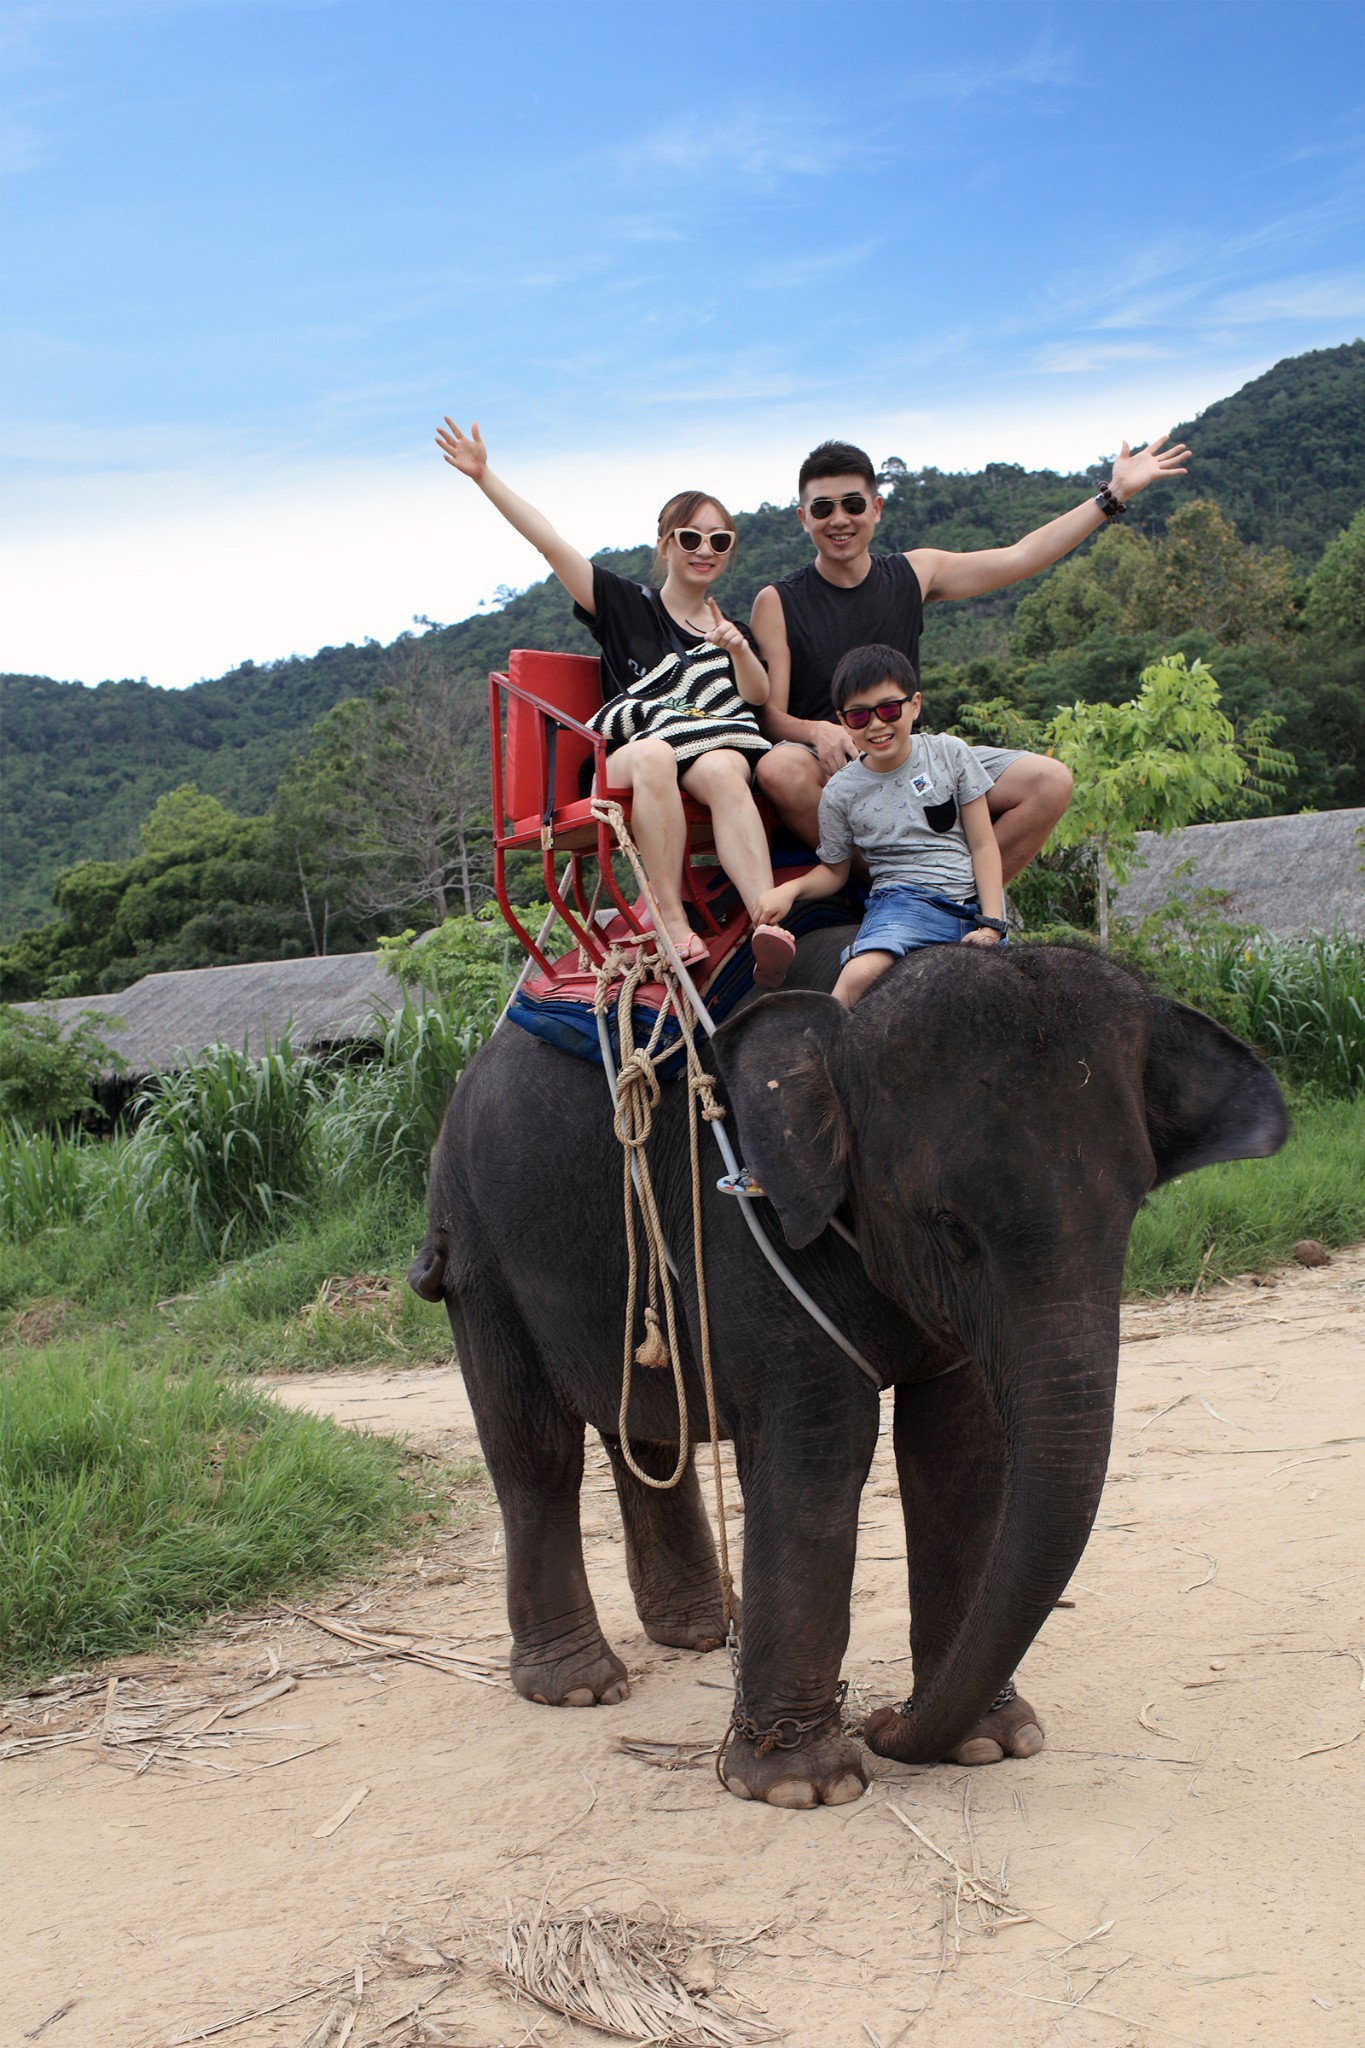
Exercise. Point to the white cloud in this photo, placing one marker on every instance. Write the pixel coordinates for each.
(1080, 357)
(799, 272)
(758, 144)
(1293, 298)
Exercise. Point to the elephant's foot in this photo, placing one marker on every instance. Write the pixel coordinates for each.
(684, 1622)
(1010, 1728)
(830, 1771)
(581, 1670)
(677, 1632)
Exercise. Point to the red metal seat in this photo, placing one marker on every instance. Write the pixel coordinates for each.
(539, 747)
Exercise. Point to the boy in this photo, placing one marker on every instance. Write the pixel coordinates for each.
(914, 805)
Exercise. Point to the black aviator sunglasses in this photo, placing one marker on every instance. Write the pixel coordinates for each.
(854, 503)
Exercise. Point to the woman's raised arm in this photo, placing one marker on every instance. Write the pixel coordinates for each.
(467, 453)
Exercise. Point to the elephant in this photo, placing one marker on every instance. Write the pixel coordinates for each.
(985, 1124)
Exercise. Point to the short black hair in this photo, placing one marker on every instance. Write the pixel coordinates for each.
(837, 458)
(866, 668)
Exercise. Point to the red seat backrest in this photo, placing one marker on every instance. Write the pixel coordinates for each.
(572, 684)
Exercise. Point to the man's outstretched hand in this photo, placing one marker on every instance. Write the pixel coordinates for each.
(464, 452)
(1132, 473)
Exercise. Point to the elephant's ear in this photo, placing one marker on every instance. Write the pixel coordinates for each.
(1209, 1097)
(776, 1060)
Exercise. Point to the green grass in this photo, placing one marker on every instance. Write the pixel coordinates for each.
(132, 1502)
(1253, 1211)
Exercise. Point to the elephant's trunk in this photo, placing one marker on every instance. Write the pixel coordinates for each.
(1054, 1388)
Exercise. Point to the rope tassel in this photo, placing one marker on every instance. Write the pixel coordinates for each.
(653, 1351)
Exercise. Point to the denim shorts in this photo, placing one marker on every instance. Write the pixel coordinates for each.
(901, 917)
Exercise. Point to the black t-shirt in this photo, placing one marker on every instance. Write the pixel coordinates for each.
(633, 630)
(825, 621)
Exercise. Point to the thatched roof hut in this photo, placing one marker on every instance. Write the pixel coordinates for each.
(1289, 876)
(169, 1019)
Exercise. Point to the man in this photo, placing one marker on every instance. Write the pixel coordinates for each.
(850, 597)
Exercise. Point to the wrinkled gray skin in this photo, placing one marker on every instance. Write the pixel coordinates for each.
(988, 1123)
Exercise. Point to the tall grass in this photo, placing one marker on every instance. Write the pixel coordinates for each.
(225, 1147)
(382, 1120)
(131, 1502)
(44, 1180)
(1304, 1006)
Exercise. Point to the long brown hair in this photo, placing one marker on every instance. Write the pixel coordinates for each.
(681, 510)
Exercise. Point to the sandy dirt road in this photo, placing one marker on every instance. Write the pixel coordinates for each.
(1190, 1847)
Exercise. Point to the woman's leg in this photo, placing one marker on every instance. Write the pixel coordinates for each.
(720, 780)
(649, 769)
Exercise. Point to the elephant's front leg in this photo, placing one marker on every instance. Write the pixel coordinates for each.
(670, 1556)
(950, 1459)
(534, 1453)
(802, 1485)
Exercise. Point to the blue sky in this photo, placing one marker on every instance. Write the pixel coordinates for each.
(253, 249)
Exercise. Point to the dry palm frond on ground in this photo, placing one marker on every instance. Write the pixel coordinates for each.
(622, 1975)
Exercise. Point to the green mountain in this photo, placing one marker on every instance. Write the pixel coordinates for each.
(82, 765)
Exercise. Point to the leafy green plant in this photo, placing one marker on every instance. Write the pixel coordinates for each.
(470, 959)
(131, 1502)
(225, 1147)
(382, 1120)
(47, 1073)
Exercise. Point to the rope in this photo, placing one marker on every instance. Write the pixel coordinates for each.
(637, 1096)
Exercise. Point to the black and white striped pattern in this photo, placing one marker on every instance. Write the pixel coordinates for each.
(691, 701)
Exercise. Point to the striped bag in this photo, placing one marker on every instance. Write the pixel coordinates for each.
(691, 701)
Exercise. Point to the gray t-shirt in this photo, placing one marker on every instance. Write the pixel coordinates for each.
(906, 822)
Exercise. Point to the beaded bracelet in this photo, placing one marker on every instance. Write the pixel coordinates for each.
(1112, 507)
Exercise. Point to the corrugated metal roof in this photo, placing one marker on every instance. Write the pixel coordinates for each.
(1288, 875)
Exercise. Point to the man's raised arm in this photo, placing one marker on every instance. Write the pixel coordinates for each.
(943, 574)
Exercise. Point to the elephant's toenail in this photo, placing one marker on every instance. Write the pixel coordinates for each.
(1027, 1740)
(580, 1696)
(738, 1787)
(793, 1792)
(614, 1694)
(980, 1750)
(844, 1790)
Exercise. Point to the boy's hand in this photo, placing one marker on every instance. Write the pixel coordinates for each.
(464, 452)
(982, 936)
(775, 904)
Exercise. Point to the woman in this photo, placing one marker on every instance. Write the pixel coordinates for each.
(637, 628)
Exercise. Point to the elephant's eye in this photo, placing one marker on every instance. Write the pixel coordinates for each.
(953, 1234)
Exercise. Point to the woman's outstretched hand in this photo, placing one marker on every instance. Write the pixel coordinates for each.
(1132, 473)
(464, 452)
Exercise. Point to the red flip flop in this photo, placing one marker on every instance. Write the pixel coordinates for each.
(774, 951)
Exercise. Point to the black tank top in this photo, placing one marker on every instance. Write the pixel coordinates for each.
(825, 620)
